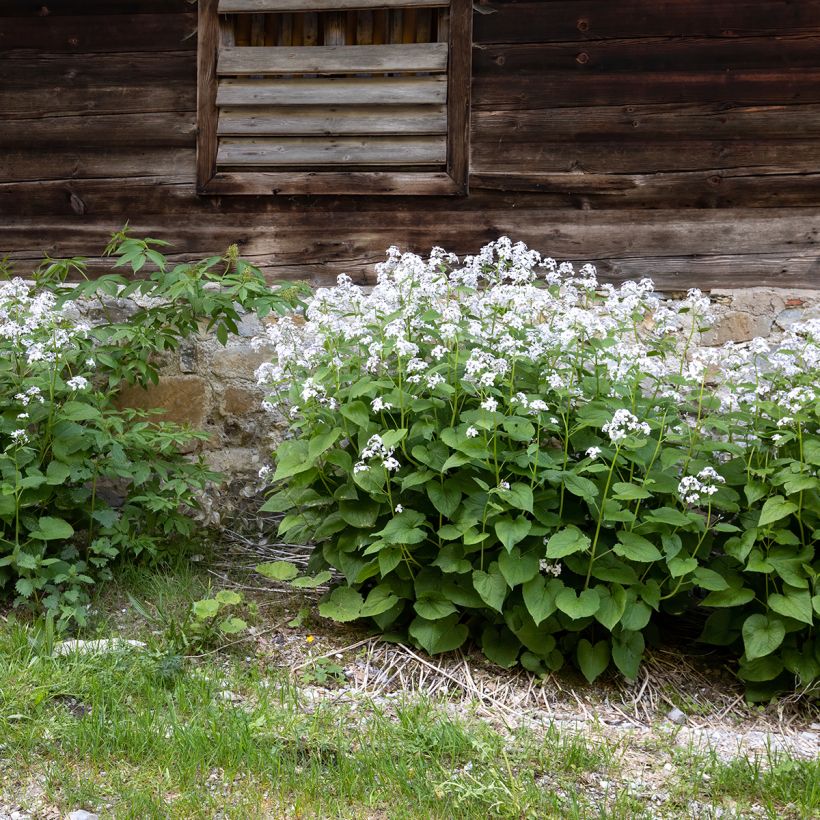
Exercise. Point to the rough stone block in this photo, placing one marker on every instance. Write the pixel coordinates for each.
(737, 326)
(238, 362)
(183, 398)
(241, 401)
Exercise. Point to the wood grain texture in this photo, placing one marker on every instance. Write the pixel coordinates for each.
(209, 36)
(638, 158)
(558, 89)
(101, 33)
(681, 249)
(350, 59)
(308, 152)
(661, 121)
(364, 91)
(338, 120)
(459, 80)
(651, 55)
(510, 21)
(232, 6)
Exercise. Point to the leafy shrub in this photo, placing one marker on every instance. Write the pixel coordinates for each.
(509, 450)
(81, 482)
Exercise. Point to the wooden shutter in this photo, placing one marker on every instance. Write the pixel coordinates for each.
(333, 96)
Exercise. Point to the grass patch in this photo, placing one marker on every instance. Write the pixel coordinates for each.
(229, 734)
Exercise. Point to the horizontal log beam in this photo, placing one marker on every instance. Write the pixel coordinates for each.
(414, 57)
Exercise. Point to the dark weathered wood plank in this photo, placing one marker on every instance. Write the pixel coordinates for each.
(459, 77)
(73, 8)
(670, 121)
(648, 55)
(718, 188)
(303, 120)
(209, 36)
(498, 21)
(415, 57)
(25, 163)
(727, 248)
(569, 89)
(313, 151)
(524, 158)
(328, 183)
(365, 91)
(168, 129)
(88, 33)
(231, 6)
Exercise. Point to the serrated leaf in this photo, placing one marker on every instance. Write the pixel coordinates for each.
(24, 587)
(228, 597)
(592, 660)
(762, 635)
(567, 542)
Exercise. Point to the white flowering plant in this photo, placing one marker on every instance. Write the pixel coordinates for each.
(84, 483)
(505, 450)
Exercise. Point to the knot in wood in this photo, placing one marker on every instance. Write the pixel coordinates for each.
(582, 58)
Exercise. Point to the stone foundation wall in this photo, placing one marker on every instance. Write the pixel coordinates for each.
(213, 388)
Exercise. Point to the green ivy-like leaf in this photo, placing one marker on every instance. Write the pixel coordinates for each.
(774, 509)
(762, 635)
(512, 530)
(491, 586)
(567, 542)
(592, 660)
(438, 636)
(581, 606)
(343, 605)
(518, 568)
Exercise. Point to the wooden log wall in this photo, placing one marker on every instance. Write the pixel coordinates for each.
(678, 139)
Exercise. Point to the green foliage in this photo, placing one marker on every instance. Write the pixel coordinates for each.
(207, 623)
(546, 469)
(82, 482)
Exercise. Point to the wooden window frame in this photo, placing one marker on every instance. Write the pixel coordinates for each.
(452, 181)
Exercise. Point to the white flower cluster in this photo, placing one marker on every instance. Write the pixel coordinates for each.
(706, 483)
(549, 568)
(479, 323)
(622, 424)
(375, 449)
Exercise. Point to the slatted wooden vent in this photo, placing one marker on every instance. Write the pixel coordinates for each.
(338, 96)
